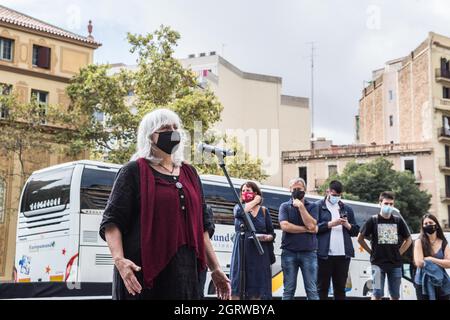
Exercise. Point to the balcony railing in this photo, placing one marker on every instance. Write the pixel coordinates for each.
(356, 150)
(444, 132)
(443, 73)
(444, 163)
(443, 104)
(445, 194)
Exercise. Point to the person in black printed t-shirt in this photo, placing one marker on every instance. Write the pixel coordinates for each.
(390, 239)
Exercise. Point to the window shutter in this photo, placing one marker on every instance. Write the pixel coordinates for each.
(44, 57)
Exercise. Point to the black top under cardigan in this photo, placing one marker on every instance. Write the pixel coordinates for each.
(123, 210)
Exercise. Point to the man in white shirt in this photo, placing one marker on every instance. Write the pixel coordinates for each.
(337, 226)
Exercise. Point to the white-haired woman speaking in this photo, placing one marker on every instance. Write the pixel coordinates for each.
(156, 220)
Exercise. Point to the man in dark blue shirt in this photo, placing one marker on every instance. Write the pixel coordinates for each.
(299, 242)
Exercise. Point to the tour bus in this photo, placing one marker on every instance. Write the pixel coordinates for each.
(61, 208)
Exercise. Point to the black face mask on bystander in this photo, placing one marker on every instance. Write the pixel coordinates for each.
(298, 194)
(430, 229)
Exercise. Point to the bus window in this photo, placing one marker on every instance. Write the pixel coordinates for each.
(273, 201)
(96, 185)
(363, 213)
(221, 200)
(223, 214)
(47, 192)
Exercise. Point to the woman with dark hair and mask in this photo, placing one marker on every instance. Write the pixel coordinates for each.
(432, 257)
(156, 221)
(258, 275)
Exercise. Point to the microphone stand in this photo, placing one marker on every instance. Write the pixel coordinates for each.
(247, 226)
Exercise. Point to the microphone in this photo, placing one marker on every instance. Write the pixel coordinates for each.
(203, 147)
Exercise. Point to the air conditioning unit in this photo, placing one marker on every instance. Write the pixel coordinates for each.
(202, 54)
(191, 56)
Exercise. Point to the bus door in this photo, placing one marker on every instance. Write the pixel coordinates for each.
(96, 264)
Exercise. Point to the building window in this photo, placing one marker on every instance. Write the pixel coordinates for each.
(42, 100)
(303, 173)
(447, 224)
(447, 186)
(2, 200)
(409, 164)
(445, 68)
(447, 156)
(6, 49)
(332, 170)
(41, 57)
(446, 93)
(391, 121)
(391, 95)
(5, 90)
(357, 122)
(446, 126)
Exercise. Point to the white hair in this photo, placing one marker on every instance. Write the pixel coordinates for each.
(151, 123)
(296, 181)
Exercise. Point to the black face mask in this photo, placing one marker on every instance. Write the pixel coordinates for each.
(430, 229)
(298, 194)
(168, 141)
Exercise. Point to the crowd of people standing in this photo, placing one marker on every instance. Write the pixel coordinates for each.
(317, 241)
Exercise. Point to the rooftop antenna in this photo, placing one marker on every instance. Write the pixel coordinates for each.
(313, 50)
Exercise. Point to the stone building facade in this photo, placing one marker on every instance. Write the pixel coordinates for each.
(37, 60)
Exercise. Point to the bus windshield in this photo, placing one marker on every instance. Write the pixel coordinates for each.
(47, 192)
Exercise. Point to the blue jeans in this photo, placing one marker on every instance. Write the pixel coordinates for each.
(394, 276)
(290, 263)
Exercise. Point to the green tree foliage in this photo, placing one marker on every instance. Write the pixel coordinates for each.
(124, 98)
(365, 182)
(241, 166)
(26, 128)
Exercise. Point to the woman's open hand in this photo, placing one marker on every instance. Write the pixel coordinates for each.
(127, 268)
(222, 284)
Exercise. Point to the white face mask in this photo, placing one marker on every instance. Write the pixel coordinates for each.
(334, 199)
(386, 211)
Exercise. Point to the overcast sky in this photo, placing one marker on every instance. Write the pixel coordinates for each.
(353, 37)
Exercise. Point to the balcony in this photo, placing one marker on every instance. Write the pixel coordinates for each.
(442, 104)
(445, 195)
(355, 151)
(444, 135)
(444, 165)
(443, 76)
